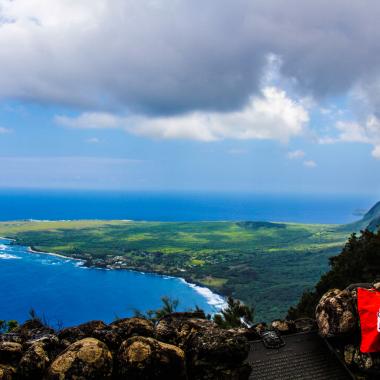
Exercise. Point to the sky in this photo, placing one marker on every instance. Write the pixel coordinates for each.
(190, 95)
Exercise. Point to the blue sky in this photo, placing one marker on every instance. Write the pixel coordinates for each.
(156, 95)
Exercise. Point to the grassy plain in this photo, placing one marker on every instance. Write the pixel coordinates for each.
(267, 265)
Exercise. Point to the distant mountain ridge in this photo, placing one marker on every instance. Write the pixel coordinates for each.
(372, 217)
(370, 220)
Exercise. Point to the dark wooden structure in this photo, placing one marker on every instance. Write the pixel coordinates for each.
(305, 356)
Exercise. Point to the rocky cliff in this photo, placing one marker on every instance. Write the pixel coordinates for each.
(179, 346)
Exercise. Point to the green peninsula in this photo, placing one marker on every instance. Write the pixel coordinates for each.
(267, 265)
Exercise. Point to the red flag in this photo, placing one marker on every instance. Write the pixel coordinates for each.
(369, 313)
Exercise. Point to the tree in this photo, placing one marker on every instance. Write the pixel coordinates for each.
(7, 326)
(358, 262)
(236, 314)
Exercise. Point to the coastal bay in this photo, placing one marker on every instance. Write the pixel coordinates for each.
(64, 292)
(267, 265)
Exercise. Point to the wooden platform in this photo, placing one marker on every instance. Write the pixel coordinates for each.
(305, 356)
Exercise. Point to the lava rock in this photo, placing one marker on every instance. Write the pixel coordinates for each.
(260, 328)
(10, 352)
(283, 327)
(217, 354)
(7, 372)
(11, 337)
(129, 327)
(88, 359)
(89, 327)
(70, 335)
(359, 360)
(32, 329)
(34, 362)
(336, 313)
(248, 333)
(142, 358)
(176, 328)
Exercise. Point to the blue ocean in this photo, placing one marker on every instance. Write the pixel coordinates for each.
(65, 293)
(150, 206)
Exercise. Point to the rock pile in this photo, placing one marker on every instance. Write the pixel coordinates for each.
(180, 346)
(338, 320)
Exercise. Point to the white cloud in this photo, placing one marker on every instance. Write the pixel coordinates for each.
(376, 151)
(310, 164)
(273, 115)
(367, 132)
(296, 154)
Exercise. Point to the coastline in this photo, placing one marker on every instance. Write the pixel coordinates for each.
(214, 299)
(31, 250)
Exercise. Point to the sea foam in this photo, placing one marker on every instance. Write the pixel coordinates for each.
(7, 256)
(213, 299)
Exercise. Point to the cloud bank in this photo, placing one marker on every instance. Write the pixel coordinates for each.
(175, 56)
(190, 69)
(273, 115)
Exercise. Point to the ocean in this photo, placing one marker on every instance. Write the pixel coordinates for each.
(58, 205)
(66, 293)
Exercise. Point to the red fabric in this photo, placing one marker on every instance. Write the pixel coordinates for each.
(369, 313)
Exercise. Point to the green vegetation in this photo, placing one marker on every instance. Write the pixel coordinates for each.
(7, 326)
(266, 265)
(236, 314)
(358, 262)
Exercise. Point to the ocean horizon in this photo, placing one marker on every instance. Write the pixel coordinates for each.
(182, 206)
(50, 283)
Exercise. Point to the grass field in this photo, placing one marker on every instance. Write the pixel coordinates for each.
(267, 265)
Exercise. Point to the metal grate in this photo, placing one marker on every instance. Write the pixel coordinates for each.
(305, 356)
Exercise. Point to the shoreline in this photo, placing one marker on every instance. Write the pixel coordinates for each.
(213, 299)
(31, 250)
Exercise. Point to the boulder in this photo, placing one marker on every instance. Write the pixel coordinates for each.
(70, 335)
(176, 328)
(7, 372)
(110, 337)
(88, 359)
(89, 327)
(284, 327)
(85, 330)
(259, 328)
(34, 362)
(142, 358)
(49, 339)
(10, 352)
(248, 333)
(336, 313)
(11, 337)
(129, 327)
(31, 329)
(358, 360)
(216, 354)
